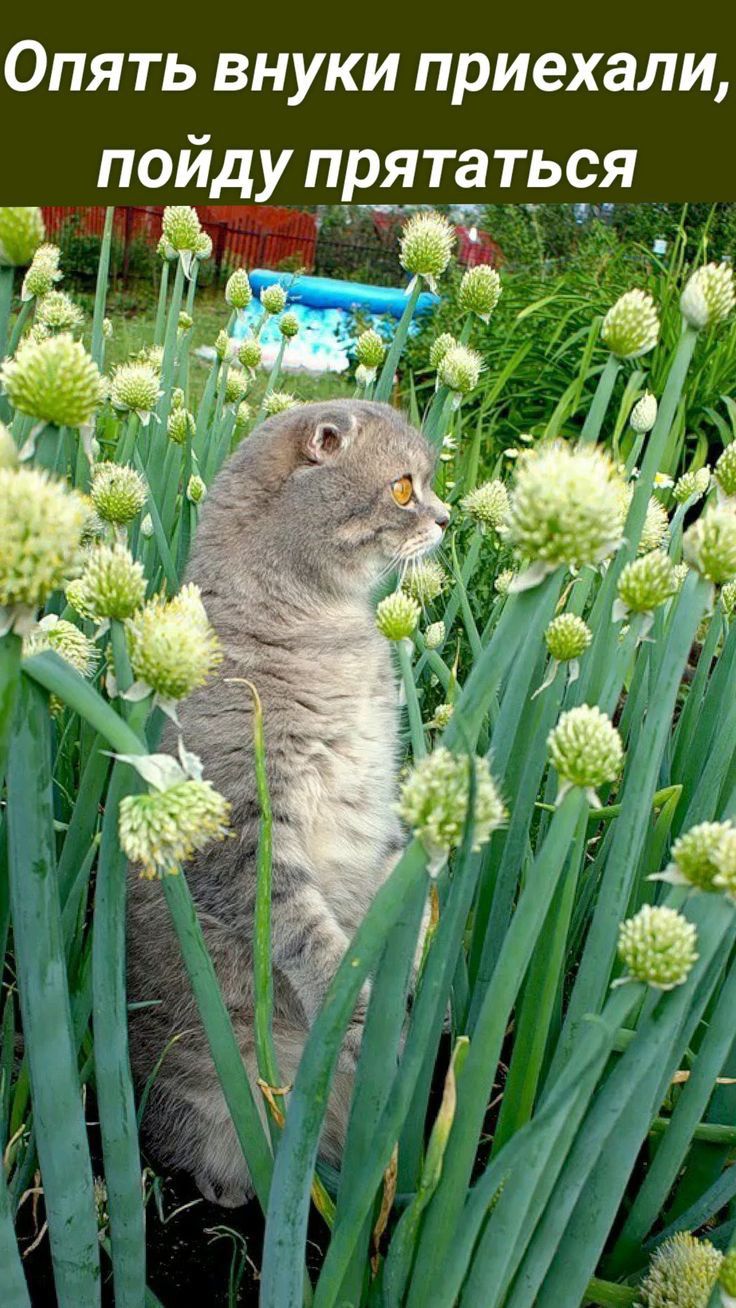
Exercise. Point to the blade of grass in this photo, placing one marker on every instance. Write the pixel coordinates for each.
(569, 1239)
(601, 400)
(221, 1037)
(385, 383)
(533, 1020)
(10, 656)
(640, 783)
(480, 1069)
(12, 1278)
(113, 1081)
(282, 1273)
(665, 1167)
(103, 269)
(425, 1025)
(60, 1128)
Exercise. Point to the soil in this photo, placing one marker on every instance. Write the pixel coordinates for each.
(191, 1258)
(197, 1252)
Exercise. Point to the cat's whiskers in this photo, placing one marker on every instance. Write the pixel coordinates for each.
(392, 565)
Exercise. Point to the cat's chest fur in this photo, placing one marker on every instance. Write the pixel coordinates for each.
(346, 788)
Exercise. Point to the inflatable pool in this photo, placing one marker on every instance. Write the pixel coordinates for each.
(324, 308)
(331, 293)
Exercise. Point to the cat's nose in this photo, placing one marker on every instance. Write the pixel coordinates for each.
(442, 516)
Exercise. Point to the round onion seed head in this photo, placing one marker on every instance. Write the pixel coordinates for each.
(68, 641)
(181, 229)
(460, 369)
(709, 545)
(185, 322)
(58, 312)
(289, 326)
(40, 536)
(694, 855)
(647, 582)
(424, 581)
(273, 298)
(249, 353)
(631, 326)
(43, 273)
(54, 381)
(278, 402)
(21, 233)
(585, 748)
(728, 593)
(724, 857)
(118, 492)
(76, 597)
(644, 414)
(235, 386)
(112, 585)
(503, 581)
(564, 506)
(36, 333)
(370, 349)
(656, 521)
(691, 484)
(164, 828)
(708, 296)
(222, 344)
(426, 246)
(442, 716)
(243, 414)
(135, 387)
(567, 637)
(681, 571)
(173, 649)
(727, 1279)
(196, 489)
(435, 635)
(487, 504)
(180, 425)
(682, 1273)
(656, 525)
(238, 293)
(657, 946)
(152, 355)
(397, 616)
(439, 347)
(480, 291)
(725, 470)
(203, 248)
(434, 801)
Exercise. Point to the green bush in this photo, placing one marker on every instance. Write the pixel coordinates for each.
(540, 331)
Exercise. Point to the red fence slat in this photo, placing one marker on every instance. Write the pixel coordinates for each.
(256, 236)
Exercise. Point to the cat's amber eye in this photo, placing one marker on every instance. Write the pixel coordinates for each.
(402, 490)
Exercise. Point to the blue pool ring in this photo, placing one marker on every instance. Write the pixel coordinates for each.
(331, 293)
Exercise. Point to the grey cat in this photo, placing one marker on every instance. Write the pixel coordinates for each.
(303, 520)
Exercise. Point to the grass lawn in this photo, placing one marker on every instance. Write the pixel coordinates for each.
(133, 331)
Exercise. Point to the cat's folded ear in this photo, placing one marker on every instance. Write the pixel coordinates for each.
(326, 439)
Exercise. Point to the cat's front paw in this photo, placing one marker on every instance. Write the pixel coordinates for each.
(229, 1193)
